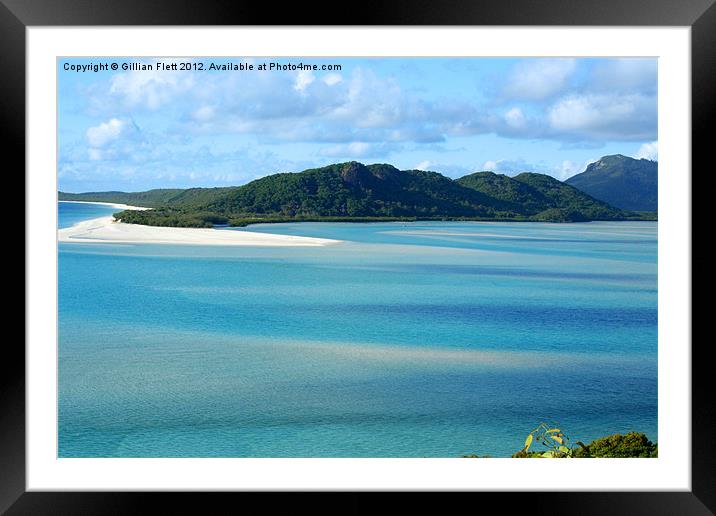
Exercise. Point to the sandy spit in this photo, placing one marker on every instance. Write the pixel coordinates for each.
(106, 230)
(112, 204)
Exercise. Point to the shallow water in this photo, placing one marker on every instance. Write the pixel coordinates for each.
(70, 213)
(406, 340)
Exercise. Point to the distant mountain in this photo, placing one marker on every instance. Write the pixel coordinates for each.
(623, 182)
(356, 192)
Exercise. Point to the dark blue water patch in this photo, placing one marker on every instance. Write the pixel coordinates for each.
(519, 330)
(515, 272)
(580, 241)
(505, 314)
(537, 240)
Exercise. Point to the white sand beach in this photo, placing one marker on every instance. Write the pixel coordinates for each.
(112, 204)
(106, 230)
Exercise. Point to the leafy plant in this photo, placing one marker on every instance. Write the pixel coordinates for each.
(553, 439)
(556, 445)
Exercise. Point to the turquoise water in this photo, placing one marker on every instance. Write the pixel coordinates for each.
(70, 213)
(406, 340)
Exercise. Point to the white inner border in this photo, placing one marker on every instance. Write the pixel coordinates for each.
(671, 471)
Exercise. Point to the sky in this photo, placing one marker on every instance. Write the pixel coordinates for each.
(134, 130)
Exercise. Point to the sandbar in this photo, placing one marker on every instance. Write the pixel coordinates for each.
(106, 230)
(117, 205)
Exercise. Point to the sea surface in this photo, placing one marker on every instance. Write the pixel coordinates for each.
(428, 339)
(70, 213)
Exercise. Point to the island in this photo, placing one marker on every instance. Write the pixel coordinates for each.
(354, 192)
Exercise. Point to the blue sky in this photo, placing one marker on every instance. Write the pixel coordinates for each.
(136, 130)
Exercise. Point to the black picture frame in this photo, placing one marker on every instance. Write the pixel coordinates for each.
(17, 15)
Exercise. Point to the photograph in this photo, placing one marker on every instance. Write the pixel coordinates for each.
(271, 253)
(357, 257)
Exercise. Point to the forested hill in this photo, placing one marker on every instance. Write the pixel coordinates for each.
(624, 182)
(353, 191)
(541, 197)
(151, 198)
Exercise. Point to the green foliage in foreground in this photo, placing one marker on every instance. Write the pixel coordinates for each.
(555, 444)
(632, 444)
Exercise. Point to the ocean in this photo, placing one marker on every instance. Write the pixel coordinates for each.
(425, 339)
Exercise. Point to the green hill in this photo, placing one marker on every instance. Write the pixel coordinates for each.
(542, 197)
(151, 198)
(355, 192)
(514, 194)
(624, 182)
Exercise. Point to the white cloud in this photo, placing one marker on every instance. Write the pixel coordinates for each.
(561, 171)
(117, 138)
(648, 151)
(569, 168)
(298, 108)
(204, 113)
(332, 78)
(579, 112)
(303, 79)
(536, 79)
(515, 118)
(448, 169)
(625, 75)
(134, 166)
(366, 106)
(362, 114)
(150, 88)
(94, 154)
(508, 166)
(356, 150)
(423, 165)
(100, 135)
(617, 117)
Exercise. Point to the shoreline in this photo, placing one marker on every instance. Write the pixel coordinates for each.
(105, 230)
(111, 204)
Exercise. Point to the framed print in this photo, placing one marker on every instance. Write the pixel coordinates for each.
(406, 254)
